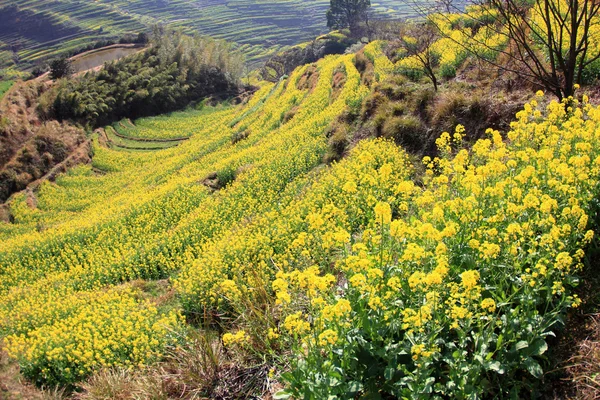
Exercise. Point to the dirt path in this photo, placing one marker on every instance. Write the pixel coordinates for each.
(12, 384)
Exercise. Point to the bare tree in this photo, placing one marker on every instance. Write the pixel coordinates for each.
(548, 41)
(416, 41)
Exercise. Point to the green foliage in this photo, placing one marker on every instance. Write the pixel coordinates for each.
(226, 175)
(456, 287)
(176, 70)
(347, 14)
(61, 68)
(4, 87)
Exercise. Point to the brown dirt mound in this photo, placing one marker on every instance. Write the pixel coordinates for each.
(308, 81)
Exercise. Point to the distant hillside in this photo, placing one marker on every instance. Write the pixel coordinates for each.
(33, 31)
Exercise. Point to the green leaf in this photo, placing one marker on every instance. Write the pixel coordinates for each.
(496, 367)
(389, 373)
(521, 345)
(282, 395)
(534, 368)
(354, 387)
(538, 347)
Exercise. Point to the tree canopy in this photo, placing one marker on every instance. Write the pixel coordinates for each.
(350, 14)
(60, 68)
(176, 70)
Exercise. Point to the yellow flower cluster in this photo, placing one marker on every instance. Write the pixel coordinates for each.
(494, 233)
(107, 329)
(383, 66)
(238, 338)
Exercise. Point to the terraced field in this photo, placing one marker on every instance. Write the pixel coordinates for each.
(352, 277)
(35, 30)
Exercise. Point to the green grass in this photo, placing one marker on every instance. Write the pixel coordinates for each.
(4, 86)
(118, 142)
(259, 27)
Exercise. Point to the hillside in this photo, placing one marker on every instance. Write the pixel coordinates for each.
(35, 31)
(31, 147)
(411, 218)
(214, 247)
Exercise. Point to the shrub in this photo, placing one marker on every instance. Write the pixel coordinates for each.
(226, 175)
(60, 68)
(447, 71)
(361, 62)
(371, 103)
(239, 136)
(338, 143)
(406, 130)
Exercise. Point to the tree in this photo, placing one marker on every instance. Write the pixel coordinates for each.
(416, 42)
(348, 14)
(60, 68)
(549, 42)
(142, 38)
(551, 38)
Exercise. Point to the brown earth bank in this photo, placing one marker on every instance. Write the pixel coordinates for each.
(31, 147)
(12, 385)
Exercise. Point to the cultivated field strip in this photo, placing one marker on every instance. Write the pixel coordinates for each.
(258, 27)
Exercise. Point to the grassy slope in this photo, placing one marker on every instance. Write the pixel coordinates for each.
(4, 87)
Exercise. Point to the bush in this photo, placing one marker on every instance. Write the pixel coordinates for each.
(454, 107)
(226, 175)
(447, 71)
(60, 68)
(239, 136)
(407, 131)
(414, 74)
(371, 103)
(338, 143)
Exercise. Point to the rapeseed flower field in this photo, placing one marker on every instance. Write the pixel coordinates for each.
(366, 276)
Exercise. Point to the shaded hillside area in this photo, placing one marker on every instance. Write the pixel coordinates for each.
(412, 114)
(30, 147)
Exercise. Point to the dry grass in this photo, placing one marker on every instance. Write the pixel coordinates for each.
(576, 353)
(200, 369)
(584, 366)
(15, 387)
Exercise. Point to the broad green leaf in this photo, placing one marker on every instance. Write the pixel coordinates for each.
(521, 345)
